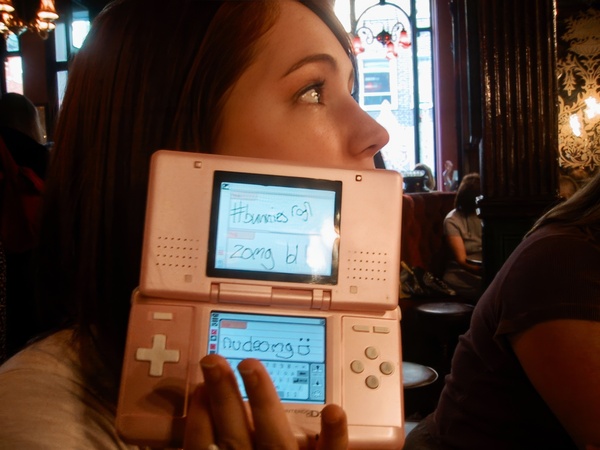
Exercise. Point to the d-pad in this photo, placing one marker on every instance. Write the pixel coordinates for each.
(158, 355)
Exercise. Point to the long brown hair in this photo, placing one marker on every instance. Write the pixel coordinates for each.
(143, 80)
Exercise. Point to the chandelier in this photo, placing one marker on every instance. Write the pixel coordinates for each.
(396, 38)
(41, 24)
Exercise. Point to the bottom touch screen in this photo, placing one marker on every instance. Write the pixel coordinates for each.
(292, 348)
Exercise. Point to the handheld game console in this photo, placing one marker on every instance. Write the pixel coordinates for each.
(294, 265)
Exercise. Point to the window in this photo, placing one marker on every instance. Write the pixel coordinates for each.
(378, 83)
(67, 40)
(396, 89)
(13, 65)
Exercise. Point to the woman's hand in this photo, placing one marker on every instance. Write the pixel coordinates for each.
(457, 245)
(217, 417)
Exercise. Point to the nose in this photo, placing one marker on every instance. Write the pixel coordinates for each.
(367, 136)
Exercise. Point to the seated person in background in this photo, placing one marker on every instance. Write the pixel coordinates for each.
(581, 176)
(448, 176)
(462, 228)
(567, 186)
(429, 181)
(525, 375)
(21, 131)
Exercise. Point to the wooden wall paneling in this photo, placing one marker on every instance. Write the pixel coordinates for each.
(520, 132)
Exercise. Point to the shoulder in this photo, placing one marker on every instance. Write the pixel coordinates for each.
(451, 215)
(453, 223)
(560, 248)
(551, 275)
(46, 404)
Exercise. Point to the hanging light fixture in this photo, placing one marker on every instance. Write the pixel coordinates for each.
(41, 24)
(392, 40)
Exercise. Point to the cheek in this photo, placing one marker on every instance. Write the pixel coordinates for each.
(263, 127)
(309, 141)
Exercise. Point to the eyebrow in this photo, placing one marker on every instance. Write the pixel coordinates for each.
(319, 57)
(316, 58)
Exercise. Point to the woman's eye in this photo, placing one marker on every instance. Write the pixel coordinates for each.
(312, 94)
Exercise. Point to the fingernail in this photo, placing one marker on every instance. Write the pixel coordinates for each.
(211, 372)
(249, 377)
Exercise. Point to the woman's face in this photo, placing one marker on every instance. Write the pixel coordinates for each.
(294, 101)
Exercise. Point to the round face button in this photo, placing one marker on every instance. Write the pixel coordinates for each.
(357, 366)
(372, 382)
(371, 352)
(386, 367)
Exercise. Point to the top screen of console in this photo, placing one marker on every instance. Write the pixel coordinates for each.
(277, 228)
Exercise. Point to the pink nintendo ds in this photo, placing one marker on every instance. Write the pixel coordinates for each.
(297, 266)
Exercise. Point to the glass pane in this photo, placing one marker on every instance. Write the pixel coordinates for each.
(80, 31)
(61, 84)
(362, 5)
(13, 69)
(376, 64)
(60, 42)
(79, 27)
(376, 100)
(377, 82)
(423, 8)
(424, 67)
(12, 43)
(406, 94)
(342, 11)
(426, 101)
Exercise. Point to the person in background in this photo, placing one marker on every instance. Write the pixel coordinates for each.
(567, 186)
(21, 134)
(526, 373)
(448, 177)
(462, 230)
(429, 182)
(581, 176)
(284, 91)
(21, 131)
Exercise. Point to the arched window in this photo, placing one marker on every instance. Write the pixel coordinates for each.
(393, 42)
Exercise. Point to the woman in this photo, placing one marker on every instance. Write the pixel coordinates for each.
(526, 373)
(462, 229)
(267, 78)
(429, 180)
(21, 138)
(22, 133)
(449, 176)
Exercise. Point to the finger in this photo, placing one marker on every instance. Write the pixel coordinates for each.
(271, 426)
(230, 420)
(198, 424)
(334, 429)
